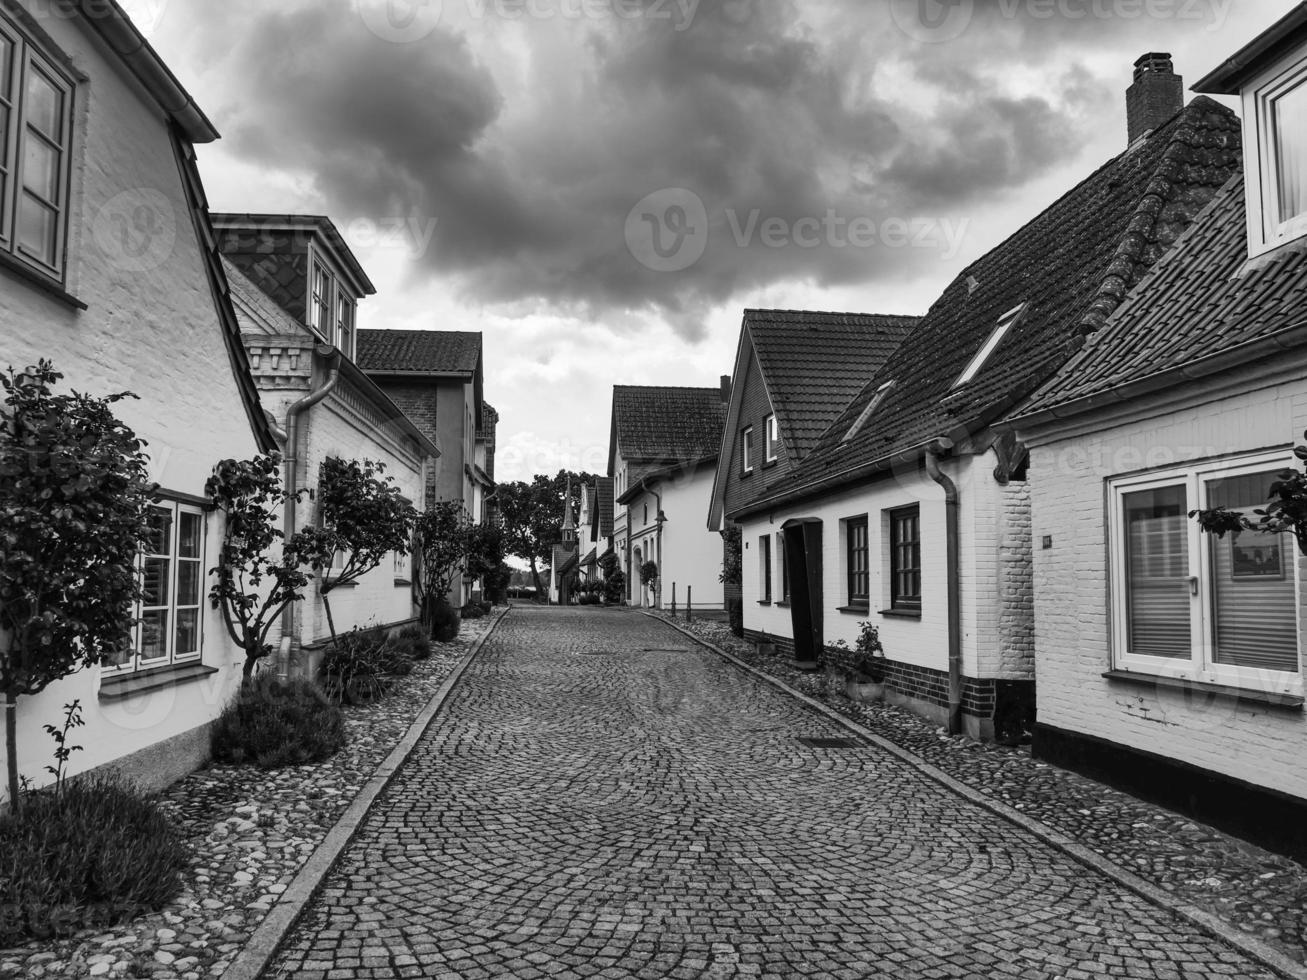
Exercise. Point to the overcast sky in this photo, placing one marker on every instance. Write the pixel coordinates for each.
(603, 186)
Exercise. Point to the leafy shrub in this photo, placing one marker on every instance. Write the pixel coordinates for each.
(444, 621)
(414, 642)
(473, 610)
(97, 853)
(354, 666)
(272, 724)
(735, 612)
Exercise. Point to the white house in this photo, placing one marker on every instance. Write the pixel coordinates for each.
(296, 287)
(912, 511)
(662, 455)
(1170, 661)
(107, 269)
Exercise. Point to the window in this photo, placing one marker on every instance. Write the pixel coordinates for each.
(345, 324)
(402, 566)
(859, 578)
(772, 438)
(36, 124)
(172, 568)
(1277, 186)
(785, 568)
(320, 301)
(1005, 324)
(764, 567)
(332, 310)
(872, 405)
(746, 449)
(1191, 605)
(905, 559)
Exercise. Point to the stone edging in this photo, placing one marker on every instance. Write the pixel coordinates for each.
(263, 944)
(1250, 946)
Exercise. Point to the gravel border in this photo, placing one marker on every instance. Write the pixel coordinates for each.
(1065, 810)
(252, 836)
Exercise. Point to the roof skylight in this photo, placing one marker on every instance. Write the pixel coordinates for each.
(872, 405)
(1005, 324)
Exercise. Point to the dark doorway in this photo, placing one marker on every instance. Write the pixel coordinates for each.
(803, 562)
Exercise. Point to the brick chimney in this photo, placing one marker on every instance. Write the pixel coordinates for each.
(1156, 95)
(726, 389)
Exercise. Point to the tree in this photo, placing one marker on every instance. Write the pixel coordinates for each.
(485, 551)
(614, 584)
(1286, 510)
(533, 516)
(443, 534)
(75, 498)
(732, 555)
(364, 517)
(254, 586)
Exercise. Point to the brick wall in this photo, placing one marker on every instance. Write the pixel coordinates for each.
(755, 406)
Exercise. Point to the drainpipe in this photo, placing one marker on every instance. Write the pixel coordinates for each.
(292, 475)
(954, 567)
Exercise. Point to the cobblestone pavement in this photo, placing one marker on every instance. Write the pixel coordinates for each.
(604, 798)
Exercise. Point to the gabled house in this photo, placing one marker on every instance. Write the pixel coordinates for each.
(912, 511)
(437, 377)
(565, 563)
(107, 269)
(286, 273)
(1170, 661)
(662, 454)
(796, 371)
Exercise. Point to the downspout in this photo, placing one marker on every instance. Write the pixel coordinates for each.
(292, 476)
(953, 573)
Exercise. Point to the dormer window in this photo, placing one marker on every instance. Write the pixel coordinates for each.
(1005, 324)
(746, 450)
(773, 439)
(331, 309)
(1277, 192)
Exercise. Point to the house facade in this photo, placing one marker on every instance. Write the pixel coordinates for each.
(106, 269)
(912, 511)
(796, 371)
(281, 268)
(662, 457)
(1170, 661)
(437, 378)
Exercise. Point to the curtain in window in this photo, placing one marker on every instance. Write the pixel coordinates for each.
(1157, 573)
(1291, 150)
(1252, 584)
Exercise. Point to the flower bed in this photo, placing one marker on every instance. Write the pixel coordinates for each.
(1261, 893)
(249, 832)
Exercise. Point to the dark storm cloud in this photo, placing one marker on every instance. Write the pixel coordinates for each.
(531, 170)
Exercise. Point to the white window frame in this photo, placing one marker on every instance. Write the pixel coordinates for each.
(1005, 324)
(764, 568)
(1266, 232)
(1201, 665)
(137, 662)
(746, 444)
(771, 438)
(29, 57)
(335, 299)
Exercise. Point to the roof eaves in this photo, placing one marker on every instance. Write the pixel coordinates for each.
(1268, 47)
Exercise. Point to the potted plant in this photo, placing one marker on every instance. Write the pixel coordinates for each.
(865, 680)
(766, 648)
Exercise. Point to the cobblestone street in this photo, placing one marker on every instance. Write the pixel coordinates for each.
(601, 797)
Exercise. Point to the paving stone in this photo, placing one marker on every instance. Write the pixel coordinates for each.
(653, 813)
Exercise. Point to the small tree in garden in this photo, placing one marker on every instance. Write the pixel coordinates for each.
(364, 516)
(614, 584)
(1286, 510)
(443, 537)
(649, 574)
(485, 552)
(254, 586)
(75, 505)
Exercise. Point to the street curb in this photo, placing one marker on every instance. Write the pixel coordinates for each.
(263, 944)
(1263, 952)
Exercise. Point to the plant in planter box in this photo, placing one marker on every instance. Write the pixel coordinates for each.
(865, 680)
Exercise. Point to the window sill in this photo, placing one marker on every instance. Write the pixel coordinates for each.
(122, 686)
(327, 583)
(785, 604)
(745, 474)
(1289, 702)
(51, 287)
(856, 608)
(901, 613)
(764, 602)
(403, 582)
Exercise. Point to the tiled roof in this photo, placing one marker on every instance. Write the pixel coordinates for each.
(565, 558)
(1071, 267)
(815, 363)
(1195, 303)
(604, 509)
(667, 425)
(253, 304)
(419, 351)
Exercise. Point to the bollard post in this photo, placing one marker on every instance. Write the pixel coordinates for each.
(673, 600)
(689, 602)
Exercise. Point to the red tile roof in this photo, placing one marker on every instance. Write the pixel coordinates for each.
(1072, 266)
(1197, 302)
(419, 351)
(667, 425)
(815, 363)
